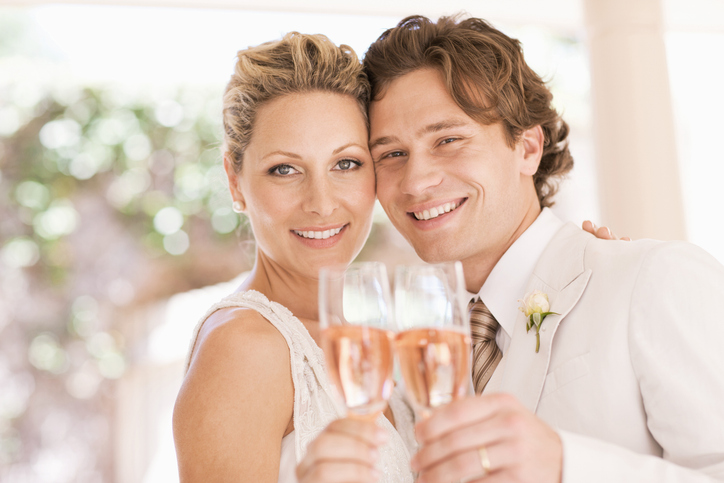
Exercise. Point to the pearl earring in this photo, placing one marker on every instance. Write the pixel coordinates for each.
(236, 206)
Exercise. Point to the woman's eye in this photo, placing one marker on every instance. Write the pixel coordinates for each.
(347, 164)
(282, 170)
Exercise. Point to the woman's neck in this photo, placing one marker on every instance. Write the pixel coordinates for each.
(296, 292)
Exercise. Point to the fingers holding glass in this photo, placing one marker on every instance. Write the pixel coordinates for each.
(347, 450)
(516, 445)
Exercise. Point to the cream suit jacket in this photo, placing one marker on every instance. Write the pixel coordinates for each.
(631, 373)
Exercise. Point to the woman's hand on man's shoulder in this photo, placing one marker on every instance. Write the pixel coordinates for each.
(602, 232)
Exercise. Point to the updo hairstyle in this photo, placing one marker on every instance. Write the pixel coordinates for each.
(297, 63)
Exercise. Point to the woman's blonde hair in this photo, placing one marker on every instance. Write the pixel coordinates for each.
(297, 63)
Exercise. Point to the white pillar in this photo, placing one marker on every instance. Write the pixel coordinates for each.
(636, 155)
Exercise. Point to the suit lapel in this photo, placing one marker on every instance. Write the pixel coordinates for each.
(561, 274)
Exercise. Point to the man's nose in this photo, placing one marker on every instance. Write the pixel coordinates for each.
(420, 173)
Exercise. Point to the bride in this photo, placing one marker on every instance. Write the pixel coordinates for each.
(256, 391)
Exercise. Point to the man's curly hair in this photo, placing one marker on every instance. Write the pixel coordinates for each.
(487, 76)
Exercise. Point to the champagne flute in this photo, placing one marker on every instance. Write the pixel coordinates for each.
(357, 332)
(433, 345)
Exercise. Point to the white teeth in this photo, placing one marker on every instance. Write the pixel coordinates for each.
(319, 235)
(435, 212)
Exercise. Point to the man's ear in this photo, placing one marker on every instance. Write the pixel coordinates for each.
(531, 142)
(239, 205)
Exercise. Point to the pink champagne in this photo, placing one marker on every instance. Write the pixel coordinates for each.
(360, 363)
(435, 364)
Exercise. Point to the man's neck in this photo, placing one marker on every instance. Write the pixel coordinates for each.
(478, 267)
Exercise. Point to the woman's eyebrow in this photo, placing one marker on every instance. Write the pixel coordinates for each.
(342, 148)
(283, 153)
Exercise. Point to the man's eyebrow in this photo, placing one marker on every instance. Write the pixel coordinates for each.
(382, 141)
(430, 128)
(441, 126)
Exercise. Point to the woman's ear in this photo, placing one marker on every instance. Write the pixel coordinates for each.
(531, 142)
(239, 205)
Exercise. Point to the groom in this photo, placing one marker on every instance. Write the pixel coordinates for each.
(628, 382)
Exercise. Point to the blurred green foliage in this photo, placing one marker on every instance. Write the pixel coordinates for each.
(154, 160)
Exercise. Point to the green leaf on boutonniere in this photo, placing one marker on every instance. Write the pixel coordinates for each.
(535, 320)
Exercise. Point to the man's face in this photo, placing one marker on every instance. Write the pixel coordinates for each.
(453, 187)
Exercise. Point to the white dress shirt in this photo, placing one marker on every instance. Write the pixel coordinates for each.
(506, 284)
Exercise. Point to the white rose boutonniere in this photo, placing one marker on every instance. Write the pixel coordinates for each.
(536, 307)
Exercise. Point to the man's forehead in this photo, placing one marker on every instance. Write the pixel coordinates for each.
(424, 78)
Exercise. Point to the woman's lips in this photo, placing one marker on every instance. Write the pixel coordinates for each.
(319, 235)
(318, 238)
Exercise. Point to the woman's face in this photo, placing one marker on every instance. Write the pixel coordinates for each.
(307, 182)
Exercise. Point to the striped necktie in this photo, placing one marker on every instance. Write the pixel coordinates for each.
(486, 353)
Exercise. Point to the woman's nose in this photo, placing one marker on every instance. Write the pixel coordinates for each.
(322, 197)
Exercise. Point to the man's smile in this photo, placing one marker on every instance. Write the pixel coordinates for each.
(428, 212)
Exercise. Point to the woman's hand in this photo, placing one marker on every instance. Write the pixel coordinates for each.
(602, 232)
(346, 451)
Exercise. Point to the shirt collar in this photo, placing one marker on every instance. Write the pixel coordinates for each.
(507, 282)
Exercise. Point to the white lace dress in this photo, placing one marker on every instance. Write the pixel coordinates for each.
(316, 402)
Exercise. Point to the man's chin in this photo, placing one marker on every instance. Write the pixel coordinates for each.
(432, 248)
(435, 252)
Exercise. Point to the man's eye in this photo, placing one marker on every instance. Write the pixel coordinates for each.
(448, 140)
(282, 170)
(394, 154)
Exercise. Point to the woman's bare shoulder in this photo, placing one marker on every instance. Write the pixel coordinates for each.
(242, 339)
(238, 384)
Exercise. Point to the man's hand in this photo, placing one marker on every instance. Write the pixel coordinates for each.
(345, 452)
(602, 232)
(519, 447)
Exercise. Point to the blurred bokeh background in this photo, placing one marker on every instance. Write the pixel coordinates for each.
(116, 229)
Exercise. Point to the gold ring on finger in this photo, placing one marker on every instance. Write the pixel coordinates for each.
(484, 460)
